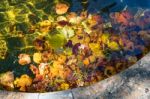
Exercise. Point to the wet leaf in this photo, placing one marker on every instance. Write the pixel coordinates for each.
(6, 79)
(23, 82)
(56, 40)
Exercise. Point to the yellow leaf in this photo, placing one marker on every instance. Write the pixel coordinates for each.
(57, 69)
(37, 57)
(86, 61)
(11, 14)
(105, 38)
(96, 49)
(113, 45)
(109, 71)
(92, 58)
(94, 46)
(45, 26)
(6, 79)
(61, 8)
(64, 86)
(23, 82)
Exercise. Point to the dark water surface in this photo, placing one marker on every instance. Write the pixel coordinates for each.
(96, 5)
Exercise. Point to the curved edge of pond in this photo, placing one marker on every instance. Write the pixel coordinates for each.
(133, 83)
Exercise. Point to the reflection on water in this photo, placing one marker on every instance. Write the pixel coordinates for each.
(51, 46)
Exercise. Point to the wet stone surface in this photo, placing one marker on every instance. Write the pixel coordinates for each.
(133, 83)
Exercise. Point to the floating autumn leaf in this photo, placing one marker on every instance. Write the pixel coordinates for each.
(97, 18)
(62, 59)
(93, 20)
(6, 79)
(56, 40)
(92, 58)
(120, 66)
(61, 18)
(113, 45)
(96, 49)
(76, 40)
(105, 38)
(132, 59)
(64, 86)
(94, 46)
(67, 31)
(80, 83)
(11, 15)
(57, 69)
(37, 57)
(73, 18)
(61, 8)
(86, 61)
(86, 27)
(24, 59)
(45, 26)
(121, 19)
(23, 82)
(42, 68)
(34, 69)
(68, 51)
(109, 71)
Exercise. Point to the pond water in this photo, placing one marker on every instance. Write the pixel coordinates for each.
(58, 45)
(96, 5)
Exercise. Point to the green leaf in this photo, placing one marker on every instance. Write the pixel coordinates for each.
(56, 40)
